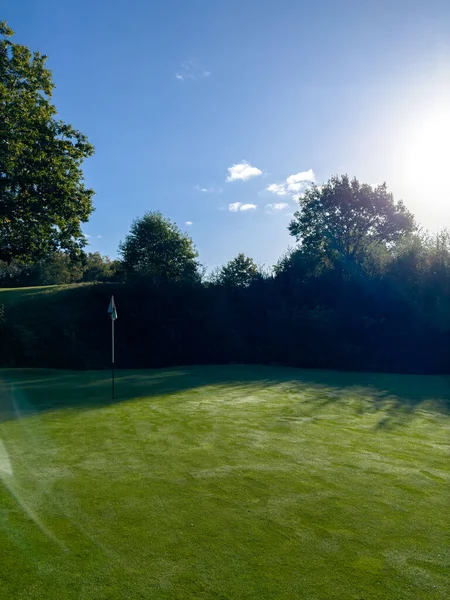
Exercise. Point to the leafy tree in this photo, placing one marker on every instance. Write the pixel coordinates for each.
(99, 268)
(344, 219)
(237, 273)
(13, 274)
(43, 200)
(157, 248)
(55, 269)
(299, 263)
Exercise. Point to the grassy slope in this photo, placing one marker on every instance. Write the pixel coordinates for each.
(69, 322)
(11, 296)
(228, 482)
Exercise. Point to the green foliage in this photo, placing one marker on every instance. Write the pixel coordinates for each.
(421, 271)
(43, 200)
(100, 268)
(237, 273)
(59, 268)
(301, 263)
(157, 248)
(343, 220)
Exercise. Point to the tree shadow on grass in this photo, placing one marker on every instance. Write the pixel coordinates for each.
(27, 392)
(396, 398)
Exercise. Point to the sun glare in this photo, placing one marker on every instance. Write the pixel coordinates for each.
(426, 153)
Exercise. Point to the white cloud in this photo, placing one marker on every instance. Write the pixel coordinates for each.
(189, 223)
(294, 183)
(203, 189)
(302, 176)
(277, 188)
(277, 207)
(295, 187)
(242, 171)
(208, 190)
(191, 71)
(300, 181)
(238, 206)
(99, 237)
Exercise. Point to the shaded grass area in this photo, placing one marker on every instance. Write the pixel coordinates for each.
(55, 326)
(224, 482)
(11, 296)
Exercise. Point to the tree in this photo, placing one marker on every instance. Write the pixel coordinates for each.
(343, 219)
(99, 268)
(43, 200)
(157, 248)
(298, 263)
(57, 268)
(239, 272)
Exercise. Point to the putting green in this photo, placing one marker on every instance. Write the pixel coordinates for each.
(224, 483)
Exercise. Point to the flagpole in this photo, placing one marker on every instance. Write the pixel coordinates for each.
(112, 362)
(112, 311)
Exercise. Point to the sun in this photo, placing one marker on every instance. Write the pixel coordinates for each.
(426, 152)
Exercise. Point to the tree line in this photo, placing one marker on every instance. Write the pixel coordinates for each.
(370, 296)
(363, 287)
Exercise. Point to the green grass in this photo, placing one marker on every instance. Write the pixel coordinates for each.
(224, 483)
(11, 296)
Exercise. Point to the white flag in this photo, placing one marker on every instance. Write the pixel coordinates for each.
(112, 310)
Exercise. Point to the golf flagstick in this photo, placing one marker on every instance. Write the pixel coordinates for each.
(112, 311)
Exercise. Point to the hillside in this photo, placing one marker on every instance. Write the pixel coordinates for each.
(68, 326)
(52, 326)
(9, 297)
(169, 324)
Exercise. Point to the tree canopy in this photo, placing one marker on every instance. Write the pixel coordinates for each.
(238, 272)
(344, 219)
(99, 268)
(43, 200)
(157, 248)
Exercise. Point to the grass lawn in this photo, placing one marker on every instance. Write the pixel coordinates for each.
(224, 483)
(11, 296)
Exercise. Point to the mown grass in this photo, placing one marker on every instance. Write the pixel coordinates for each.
(11, 296)
(227, 483)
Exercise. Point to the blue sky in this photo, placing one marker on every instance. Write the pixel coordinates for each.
(175, 93)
